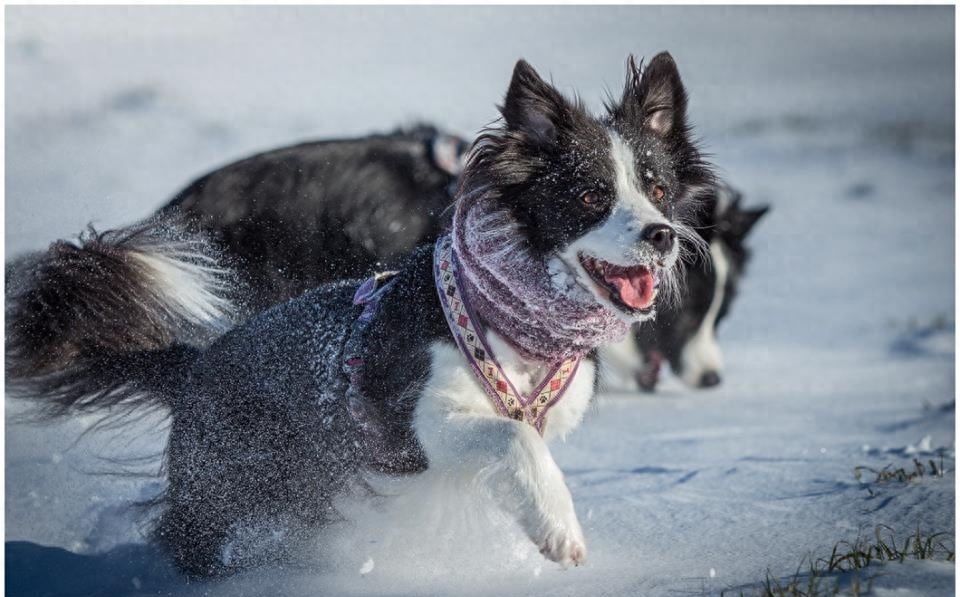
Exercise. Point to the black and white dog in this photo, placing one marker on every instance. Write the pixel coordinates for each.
(684, 333)
(275, 418)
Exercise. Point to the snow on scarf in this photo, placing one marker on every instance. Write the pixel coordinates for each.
(535, 304)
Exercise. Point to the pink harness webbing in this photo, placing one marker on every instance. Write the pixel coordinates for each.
(463, 324)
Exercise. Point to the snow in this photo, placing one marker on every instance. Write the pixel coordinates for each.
(843, 336)
(891, 577)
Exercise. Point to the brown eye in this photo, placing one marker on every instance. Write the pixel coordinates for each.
(658, 193)
(590, 198)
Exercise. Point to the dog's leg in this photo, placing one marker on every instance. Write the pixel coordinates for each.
(516, 468)
(649, 374)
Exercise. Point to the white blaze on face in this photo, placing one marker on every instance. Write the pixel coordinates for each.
(702, 353)
(617, 239)
(628, 187)
(632, 210)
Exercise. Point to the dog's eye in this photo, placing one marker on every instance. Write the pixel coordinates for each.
(590, 198)
(658, 193)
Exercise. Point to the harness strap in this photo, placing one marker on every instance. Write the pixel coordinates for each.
(469, 336)
(368, 295)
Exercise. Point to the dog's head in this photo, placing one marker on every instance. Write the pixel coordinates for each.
(685, 334)
(600, 198)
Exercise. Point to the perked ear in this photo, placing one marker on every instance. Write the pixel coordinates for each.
(745, 220)
(533, 107)
(656, 97)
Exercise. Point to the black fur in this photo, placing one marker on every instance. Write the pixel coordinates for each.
(82, 299)
(265, 441)
(654, 103)
(536, 166)
(296, 217)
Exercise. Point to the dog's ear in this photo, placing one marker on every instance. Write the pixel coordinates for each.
(743, 221)
(655, 99)
(449, 153)
(533, 107)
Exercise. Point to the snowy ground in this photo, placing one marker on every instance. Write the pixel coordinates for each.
(840, 349)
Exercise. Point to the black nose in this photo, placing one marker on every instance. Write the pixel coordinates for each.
(709, 379)
(660, 236)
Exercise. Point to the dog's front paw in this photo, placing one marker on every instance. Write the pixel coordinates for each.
(565, 545)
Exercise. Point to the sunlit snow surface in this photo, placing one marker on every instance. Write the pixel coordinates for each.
(840, 347)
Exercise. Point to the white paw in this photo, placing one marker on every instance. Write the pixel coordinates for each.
(564, 544)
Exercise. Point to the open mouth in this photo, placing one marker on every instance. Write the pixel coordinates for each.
(630, 288)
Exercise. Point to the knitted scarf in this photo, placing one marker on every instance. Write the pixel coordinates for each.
(534, 304)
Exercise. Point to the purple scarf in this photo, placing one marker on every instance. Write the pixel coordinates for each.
(535, 305)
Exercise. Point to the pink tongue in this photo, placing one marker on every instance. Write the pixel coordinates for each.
(634, 291)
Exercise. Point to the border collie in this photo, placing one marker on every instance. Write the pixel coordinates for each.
(469, 358)
(684, 334)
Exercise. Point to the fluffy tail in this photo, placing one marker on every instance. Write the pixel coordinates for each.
(114, 318)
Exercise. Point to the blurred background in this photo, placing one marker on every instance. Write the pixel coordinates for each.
(841, 118)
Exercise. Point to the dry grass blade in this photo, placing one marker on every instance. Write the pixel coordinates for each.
(849, 558)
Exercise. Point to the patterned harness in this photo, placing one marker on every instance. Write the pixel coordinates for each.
(464, 326)
(466, 330)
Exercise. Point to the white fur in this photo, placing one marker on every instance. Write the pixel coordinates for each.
(702, 353)
(617, 239)
(186, 287)
(460, 431)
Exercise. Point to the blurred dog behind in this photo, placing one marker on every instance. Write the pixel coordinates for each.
(685, 336)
